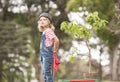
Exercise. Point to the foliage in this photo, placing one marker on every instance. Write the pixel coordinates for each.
(73, 5)
(94, 20)
(14, 50)
(26, 16)
(107, 37)
(27, 20)
(104, 8)
(77, 31)
(110, 36)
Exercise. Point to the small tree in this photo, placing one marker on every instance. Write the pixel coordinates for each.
(82, 32)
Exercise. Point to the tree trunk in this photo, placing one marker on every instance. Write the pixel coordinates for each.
(115, 66)
(114, 55)
(89, 55)
(114, 60)
(111, 63)
(100, 66)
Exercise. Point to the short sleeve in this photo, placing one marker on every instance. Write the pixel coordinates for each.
(49, 33)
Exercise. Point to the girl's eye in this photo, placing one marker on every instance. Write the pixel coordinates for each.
(44, 19)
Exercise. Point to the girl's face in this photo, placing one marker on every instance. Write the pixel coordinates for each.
(43, 22)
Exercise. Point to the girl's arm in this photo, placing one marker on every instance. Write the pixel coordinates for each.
(56, 44)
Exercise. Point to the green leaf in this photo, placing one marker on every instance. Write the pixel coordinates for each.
(71, 58)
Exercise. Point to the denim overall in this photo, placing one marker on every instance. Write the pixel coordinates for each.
(46, 59)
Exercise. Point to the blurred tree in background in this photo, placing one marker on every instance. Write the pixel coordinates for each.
(14, 50)
(14, 47)
(109, 10)
(19, 36)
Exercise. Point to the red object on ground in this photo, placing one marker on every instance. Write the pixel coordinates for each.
(56, 62)
(82, 80)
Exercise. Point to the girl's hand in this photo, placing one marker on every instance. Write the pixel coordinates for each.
(56, 61)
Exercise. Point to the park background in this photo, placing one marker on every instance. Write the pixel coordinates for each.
(20, 38)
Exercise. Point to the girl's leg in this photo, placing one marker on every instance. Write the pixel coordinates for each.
(47, 63)
(42, 65)
(41, 61)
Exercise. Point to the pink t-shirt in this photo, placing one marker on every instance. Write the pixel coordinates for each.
(49, 34)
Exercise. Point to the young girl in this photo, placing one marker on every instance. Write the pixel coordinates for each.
(48, 46)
